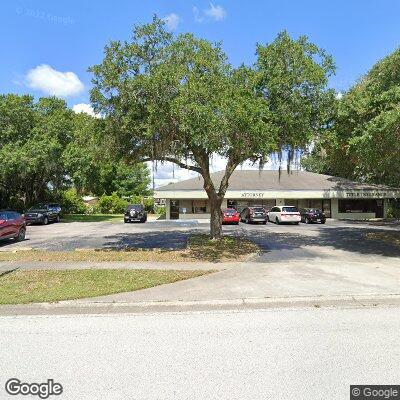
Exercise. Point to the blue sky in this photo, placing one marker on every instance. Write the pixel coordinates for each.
(70, 35)
(41, 41)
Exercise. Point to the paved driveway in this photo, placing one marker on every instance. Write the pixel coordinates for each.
(334, 240)
(305, 260)
(88, 235)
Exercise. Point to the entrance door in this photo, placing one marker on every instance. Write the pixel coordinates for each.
(379, 209)
(174, 209)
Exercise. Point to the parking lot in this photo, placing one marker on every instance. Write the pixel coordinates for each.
(334, 240)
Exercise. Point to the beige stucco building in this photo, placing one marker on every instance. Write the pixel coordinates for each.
(337, 197)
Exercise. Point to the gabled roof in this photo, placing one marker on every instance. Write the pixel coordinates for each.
(270, 180)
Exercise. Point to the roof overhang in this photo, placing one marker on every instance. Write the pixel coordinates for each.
(284, 194)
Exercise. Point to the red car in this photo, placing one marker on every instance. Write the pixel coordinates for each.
(230, 216)
(12, 226)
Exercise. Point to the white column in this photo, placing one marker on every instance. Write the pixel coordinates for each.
(167, 209)
(334, 208)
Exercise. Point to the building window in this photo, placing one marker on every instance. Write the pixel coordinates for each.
(357, 206)
(199, 206)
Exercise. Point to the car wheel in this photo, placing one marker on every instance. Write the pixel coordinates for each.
(323, 221)
(277, 221)
(308, 220)
(45, 221)
(264, 222)
(58, 219)
(21, 235)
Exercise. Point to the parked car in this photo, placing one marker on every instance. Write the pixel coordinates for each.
(135, 212)
(309, 215)
(42, 213)
(284, 214)
(254, 214)
(230, 216)
(12, 226)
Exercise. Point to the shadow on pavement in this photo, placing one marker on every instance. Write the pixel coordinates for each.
(347, 239)
(149, 240)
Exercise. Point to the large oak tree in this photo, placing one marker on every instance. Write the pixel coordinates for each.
(178, 99)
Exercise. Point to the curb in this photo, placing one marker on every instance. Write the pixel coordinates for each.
(99, 308)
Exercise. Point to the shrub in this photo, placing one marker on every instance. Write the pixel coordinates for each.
(72, 203)
(111, 204)
(161, 210)
(394, 209)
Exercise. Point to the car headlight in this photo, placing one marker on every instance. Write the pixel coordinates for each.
(40, 215)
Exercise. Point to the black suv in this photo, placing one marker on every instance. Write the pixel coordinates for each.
(135, 212)
(309, 215)
(43, 213)
(254, 214)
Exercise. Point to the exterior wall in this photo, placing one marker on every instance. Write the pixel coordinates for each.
(283, 197)
(194, 216)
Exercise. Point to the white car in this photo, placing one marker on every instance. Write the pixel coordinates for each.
(284, 214)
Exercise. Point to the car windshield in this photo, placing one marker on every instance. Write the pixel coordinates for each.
(3, 216)
(38, 207)
(230, 212)
(258, 209)
(135, 207)
(289, 209)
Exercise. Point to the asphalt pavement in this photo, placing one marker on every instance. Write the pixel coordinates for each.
(256, 355)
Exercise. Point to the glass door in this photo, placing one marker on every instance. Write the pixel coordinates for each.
(174, 209)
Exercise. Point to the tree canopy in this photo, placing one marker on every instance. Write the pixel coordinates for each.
(364, 142)
(178, 99)
(45, 147)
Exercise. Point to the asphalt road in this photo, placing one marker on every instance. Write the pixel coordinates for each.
(271, 354)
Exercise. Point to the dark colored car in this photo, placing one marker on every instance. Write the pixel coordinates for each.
(12, 226)
(43, 213)
(254, 214)
(230, 216)
(135, 212)
(309, 215)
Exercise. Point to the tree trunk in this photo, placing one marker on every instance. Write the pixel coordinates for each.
(215, 217)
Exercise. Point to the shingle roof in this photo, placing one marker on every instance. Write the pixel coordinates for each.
(270, 180)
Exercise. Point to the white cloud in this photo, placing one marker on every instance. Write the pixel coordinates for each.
(53, 82)
(215, 13)
(172, 21)
(85, 108)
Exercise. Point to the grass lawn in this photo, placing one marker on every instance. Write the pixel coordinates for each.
(21, 287)
(199, 248)
(92, 218)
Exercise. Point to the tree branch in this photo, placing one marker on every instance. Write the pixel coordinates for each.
(175, 161)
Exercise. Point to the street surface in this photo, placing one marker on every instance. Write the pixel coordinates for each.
(286, 354)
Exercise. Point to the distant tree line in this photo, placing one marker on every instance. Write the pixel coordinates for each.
(46, 149)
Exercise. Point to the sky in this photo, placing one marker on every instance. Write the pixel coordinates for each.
(47, 46)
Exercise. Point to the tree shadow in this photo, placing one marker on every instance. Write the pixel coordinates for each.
(350, 239)
(168, 240)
